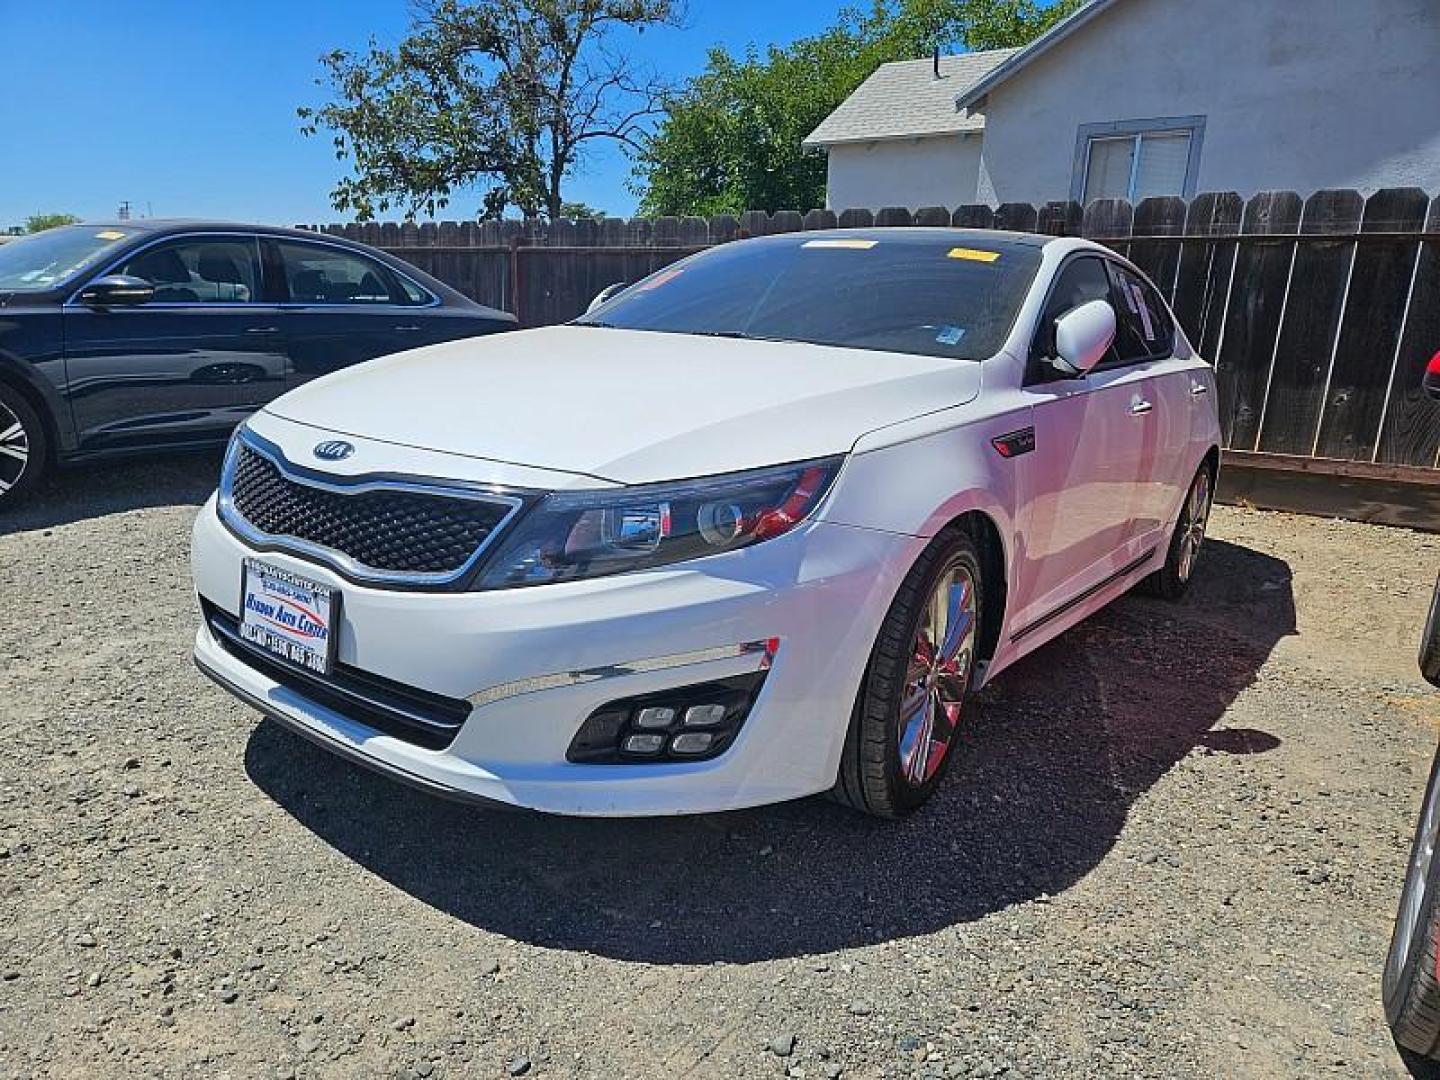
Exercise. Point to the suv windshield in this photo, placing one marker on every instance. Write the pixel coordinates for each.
(934, 293)
(40, 261)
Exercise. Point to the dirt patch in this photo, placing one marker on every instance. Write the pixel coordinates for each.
(1172, 846)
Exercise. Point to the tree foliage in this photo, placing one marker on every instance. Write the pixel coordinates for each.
(731, 139)
(501, 95)
(41, 222)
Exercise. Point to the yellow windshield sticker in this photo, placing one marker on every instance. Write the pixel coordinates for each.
(974, 254)
(860, 245)
(110, 234)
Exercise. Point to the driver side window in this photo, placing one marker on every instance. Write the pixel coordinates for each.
(200, 270)
(1080, 281)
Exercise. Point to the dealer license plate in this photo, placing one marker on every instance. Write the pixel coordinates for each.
(289, 615)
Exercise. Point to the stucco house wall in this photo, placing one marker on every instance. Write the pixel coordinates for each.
(1293, 95)
(938, 170)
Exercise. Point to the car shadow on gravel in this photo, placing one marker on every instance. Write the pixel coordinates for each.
(113, 487)
(1061, 746)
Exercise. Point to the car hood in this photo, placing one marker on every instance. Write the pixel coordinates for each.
(629, 406)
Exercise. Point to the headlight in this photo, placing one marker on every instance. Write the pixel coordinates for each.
(572, 535)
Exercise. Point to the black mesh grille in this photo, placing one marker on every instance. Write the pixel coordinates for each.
(391, 531)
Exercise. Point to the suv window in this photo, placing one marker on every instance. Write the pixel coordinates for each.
(1082, 280)
(200, 270)
(325, 275)
(1143, 330)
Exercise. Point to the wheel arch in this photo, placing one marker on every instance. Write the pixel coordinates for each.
(994, 569)
(37, 400)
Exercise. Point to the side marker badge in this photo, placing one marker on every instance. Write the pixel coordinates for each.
(1014, 443)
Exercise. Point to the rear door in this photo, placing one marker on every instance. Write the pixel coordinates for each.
(1079, 483)
(342, 307)
(1145, 340)
(175, 370)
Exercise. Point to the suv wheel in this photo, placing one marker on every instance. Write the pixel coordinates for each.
(909, 712)
(23, 448)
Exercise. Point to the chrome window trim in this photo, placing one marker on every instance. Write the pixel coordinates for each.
(336, 560)
(763, 653)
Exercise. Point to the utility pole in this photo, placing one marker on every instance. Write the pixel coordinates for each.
(124, 212)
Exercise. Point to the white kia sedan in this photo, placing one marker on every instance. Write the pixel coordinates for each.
(754, 528)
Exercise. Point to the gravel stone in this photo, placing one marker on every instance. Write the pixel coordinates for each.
(1171, 846)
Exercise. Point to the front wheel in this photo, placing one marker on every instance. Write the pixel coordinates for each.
(1409, 986)
(909, 712)
(1172, 580)
(22, 446)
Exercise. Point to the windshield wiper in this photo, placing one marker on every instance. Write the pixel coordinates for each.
(738, 335)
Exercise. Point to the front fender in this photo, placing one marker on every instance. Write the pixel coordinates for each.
(32, 357)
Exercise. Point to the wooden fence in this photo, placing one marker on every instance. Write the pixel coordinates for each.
(1318, 313)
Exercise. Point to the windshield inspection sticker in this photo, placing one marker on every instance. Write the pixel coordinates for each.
(974, 254)
(950, 335)
(110, 234)
(859, 245)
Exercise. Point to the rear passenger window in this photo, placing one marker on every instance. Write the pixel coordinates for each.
(1143, 330)
(326, 275)
(200, 271)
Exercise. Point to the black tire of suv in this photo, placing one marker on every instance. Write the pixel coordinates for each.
(1169, 583)
(14, 404)
(1409, 985)
(870, 778)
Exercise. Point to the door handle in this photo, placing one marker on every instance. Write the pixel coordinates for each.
(262, 329)
(1198, 388)
(1139, 407)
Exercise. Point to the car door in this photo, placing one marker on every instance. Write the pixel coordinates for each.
(174, 370)
(342, 307)
(1078, 497)
(1145, 338)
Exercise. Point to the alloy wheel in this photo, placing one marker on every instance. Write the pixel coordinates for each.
(14, 449)
(1192, 527)
(937, 675)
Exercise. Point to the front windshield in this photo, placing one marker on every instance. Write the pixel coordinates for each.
(932, 293)
(42, 260)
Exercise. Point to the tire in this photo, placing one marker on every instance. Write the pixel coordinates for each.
(911, 705)
(1172, 580)
(24, 448)
(1409, 986)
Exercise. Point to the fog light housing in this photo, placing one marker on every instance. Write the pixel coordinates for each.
(691, 742)
(687, 723)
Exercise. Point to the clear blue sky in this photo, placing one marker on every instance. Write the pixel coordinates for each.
(188, 109)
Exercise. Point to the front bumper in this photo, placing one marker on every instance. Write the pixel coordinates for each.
(821, 590)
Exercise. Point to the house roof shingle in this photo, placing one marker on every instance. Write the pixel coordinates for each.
(903, 99)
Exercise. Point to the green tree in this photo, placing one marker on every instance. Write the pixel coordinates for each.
(578, 210)
(41, 222)
(731, 138)
(502, 95)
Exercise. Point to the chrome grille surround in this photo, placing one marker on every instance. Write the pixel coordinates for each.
(503, 504)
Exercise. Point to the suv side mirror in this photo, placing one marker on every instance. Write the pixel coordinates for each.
(1431, 382)
(1082, 336)
(117, 290)
(609, 292)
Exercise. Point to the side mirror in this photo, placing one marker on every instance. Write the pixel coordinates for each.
(1431, 381)
(1082, 337)
(609, 292)
(117, 290)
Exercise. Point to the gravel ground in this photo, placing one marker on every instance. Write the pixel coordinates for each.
(1172, 846)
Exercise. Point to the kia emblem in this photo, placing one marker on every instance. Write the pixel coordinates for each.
(333, 450)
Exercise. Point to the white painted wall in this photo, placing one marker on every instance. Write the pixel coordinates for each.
(1296, 95)
(940, 170)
